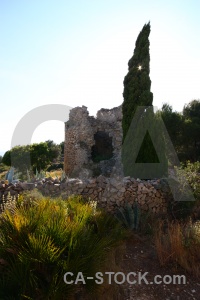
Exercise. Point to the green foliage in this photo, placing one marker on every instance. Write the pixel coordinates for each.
(183, 129)
(37, 156)
(40, 156)
(174, 125)
(191, 171)
(62, 146)
(3, 167)
(129, 215)
(192, 110)
(137, 85)
(55, 166)
(191, 115)
(145, 143)
(7, 158)
(42, 239)
(28, 175)
(187, 173)
(39, 175)
(137, 82)
(173, 122)
(3, 170)
(54, 150)
(144, 155)
(20, 157)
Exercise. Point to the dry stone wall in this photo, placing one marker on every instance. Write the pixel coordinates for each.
(113, 193)
(110, 193)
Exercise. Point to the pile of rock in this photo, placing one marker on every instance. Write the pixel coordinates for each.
(110, 193)
(13, 189)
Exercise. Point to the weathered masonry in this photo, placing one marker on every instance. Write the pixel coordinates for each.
(93, 145)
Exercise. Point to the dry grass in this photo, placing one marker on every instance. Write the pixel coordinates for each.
(179, 244)
(3, 175)
(55, 174)
(3, 170)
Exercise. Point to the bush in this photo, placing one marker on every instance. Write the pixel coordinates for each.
(188, 173)
(41, 240)
(179, 244)
(55, 167)
(191, 171)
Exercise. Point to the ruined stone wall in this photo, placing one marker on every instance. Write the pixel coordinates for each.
(110, 193)
(113, 193)
(79, 140)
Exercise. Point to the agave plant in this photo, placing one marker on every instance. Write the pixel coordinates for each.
(39, 175)
(129, 215)
(10, 174)
(28, 175)
(63, 175)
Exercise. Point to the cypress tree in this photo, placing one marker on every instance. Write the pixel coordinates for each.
(137, 82)
(137, 85)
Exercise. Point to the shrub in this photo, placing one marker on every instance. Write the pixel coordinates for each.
(187, 173)
(191, 171)
(55, 166)
(41, 240)
(179, 244)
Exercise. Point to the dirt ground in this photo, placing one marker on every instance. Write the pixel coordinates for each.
(137, 254)
(140, 256)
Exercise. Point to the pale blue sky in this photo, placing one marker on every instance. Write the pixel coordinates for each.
(76, 53)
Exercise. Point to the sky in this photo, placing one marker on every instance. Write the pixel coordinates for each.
(76, 53)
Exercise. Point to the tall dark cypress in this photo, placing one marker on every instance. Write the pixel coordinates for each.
(137, 82)
(137, 93)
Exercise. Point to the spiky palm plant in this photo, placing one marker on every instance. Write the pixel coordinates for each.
(42, 241)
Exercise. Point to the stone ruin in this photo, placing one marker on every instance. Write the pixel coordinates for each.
(93, 145)
(92, 163)
(92, 160)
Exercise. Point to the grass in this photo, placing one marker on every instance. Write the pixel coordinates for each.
(3, 170)
(179, 244)
(54, 174)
